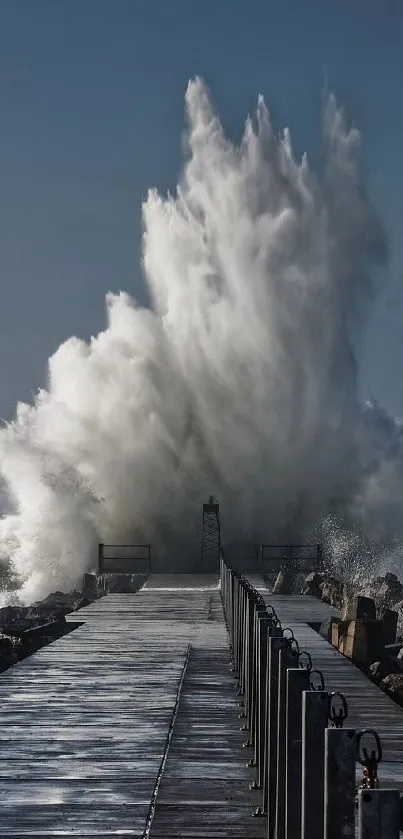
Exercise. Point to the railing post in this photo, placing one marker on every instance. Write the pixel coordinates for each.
(378, 814)
(315, 710)
(238, 625)
(287, 659)
(244, 618)
(249, 653)
(340, 762)
(275, 644)
(297, 683)
(261, 677)
(260, 614)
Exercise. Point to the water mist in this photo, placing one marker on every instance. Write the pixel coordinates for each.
(241, 380)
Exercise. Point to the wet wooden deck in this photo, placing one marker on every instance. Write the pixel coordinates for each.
(85, 723)
(140, 700)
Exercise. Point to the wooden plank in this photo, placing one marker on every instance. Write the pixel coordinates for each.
(205, 786)
(85, 719)
(85, 722)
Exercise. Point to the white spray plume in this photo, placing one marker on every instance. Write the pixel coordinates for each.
(240, 382)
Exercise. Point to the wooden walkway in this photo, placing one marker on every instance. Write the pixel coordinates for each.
(129, 725)
(204, 790)
(86, 722)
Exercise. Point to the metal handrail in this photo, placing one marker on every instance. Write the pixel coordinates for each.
(123, 568)
(305, 760)
(307, 557)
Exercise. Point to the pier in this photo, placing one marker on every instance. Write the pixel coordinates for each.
(162, 714)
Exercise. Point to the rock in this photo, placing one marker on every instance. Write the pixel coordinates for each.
(359, 608)
(12, 616)
(283, 584)
(6, 653)
(312, 584)
(326, 628)
(24, 629)
(89, 582)
(393, 685)
(399, 630)
(121, 583)
(391, 591)
(77, 601)
(386, 667)
(389, 619)
(386, 591)
(332, 591)
(288, 582)
(359, 640)
(54, 597)
(339, 633)
(91, 588)
(59, 603)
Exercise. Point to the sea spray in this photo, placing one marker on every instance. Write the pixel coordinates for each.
(241, 380)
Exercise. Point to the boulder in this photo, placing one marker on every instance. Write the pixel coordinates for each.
(332, 591)
(359, 608)
(339, 630)
(389, 665)
(90, 587)
(386, 591)
(359, 640)
(399, 629)
(326, 628)
(6, 653)
(288, 582)
(393, 685)
(312, 584)
(12, 616)
(77, 601)
(389, 619)
(391, 590)
(89, 582)
(59, 603)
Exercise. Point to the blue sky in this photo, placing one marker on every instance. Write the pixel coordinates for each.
(91, 111)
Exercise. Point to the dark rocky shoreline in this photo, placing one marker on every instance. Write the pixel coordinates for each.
(382, 598)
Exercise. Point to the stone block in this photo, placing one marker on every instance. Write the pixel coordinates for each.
(332, 592)
(312, 584)
(326, 628)
(389, 620)
(363, 642)
(339, 631)
(284, 583)
(359, 608)
(89, 582)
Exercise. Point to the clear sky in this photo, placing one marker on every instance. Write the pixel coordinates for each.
(91, 110)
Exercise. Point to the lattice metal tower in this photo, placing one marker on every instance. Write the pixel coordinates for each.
(211, 533)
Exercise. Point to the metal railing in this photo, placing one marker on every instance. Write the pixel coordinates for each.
(124, 559)
(294, 558)
(304, 759)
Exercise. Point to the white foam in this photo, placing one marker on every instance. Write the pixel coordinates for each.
(241, 382)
